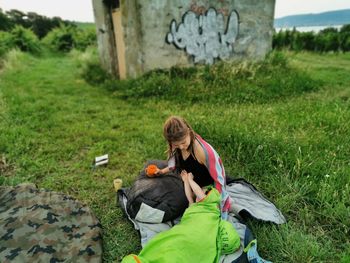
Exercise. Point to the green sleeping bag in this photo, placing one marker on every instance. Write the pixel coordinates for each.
(201, 236)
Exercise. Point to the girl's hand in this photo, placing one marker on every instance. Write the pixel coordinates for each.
(184, 175)
(190, 176)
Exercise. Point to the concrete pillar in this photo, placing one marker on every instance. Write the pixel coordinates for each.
(105, 36)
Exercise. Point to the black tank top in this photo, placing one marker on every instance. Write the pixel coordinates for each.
(200, 172)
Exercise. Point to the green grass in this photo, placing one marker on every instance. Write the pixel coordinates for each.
(264, 82)
(290, 141)
(85, 25)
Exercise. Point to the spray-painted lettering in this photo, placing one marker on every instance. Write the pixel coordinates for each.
(204, 36)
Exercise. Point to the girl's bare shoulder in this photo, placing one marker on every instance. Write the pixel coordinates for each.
(199, 152)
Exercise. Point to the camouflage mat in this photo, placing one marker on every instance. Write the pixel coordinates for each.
(37, 225)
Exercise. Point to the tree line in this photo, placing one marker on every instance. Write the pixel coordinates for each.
(40, 25)
(31, 32)
(326, 40)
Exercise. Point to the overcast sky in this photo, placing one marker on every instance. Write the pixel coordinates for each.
(74, 10)
(81, 10)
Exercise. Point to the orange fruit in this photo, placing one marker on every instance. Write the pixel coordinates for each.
(151, 170)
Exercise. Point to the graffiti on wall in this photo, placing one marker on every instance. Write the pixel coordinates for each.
(205, 37)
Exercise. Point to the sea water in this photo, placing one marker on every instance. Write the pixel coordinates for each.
(315, 29)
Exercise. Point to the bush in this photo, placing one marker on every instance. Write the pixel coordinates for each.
(327, 42)
(283, 39)
(25, 40)
(40, 25)
(277, 40)
(60, 39)
(345, 42)
(344, 38)
(90, 68)
(5, 43)
(65, 38)
(328, 39)
(84, 38)
(13, 59)
(303, 41)
(94, 74)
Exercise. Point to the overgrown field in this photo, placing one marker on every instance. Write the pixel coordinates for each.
(282, 124)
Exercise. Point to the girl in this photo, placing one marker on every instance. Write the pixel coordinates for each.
(188, 151)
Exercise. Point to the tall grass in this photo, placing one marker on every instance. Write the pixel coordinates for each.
(259, 82)
(282, 124)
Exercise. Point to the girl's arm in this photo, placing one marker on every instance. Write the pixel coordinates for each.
(188, 191)
(195, 187)
(170, 167)
(163, 171)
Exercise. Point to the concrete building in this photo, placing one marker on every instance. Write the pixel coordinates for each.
(141, 35)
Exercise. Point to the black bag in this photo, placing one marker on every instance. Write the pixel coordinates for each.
(157, 199)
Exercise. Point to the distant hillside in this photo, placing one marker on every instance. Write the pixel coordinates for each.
(339, 17)
(84, 25)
